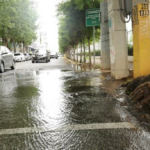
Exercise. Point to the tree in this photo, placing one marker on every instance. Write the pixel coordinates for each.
(18, 22)
(72, 29)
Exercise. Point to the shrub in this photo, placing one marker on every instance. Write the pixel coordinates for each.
(97, 53)
(130, 50)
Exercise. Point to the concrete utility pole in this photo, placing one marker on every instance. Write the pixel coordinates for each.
(141, 37)
(105, 51)
(118, 41)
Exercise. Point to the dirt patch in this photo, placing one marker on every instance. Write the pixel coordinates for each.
(138, 91)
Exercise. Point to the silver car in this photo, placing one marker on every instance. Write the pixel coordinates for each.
(19, 57)
(41, 55)
(54, 55)
(27, 56)
(6, 59)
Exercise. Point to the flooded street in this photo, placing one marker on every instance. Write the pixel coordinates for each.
(59, 109)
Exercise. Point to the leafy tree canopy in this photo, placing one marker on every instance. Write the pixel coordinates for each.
(72, 29)
(18, 21)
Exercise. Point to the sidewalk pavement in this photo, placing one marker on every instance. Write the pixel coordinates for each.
(98, 61)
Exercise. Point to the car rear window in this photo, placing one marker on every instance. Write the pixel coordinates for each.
(17, 54)
(40, 51)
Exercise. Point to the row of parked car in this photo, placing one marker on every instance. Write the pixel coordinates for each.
(8, 59)
(39, 54)
(22, 57)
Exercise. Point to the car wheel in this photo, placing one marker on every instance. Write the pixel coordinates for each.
(13, 66)
(32, 61)
(2, 69)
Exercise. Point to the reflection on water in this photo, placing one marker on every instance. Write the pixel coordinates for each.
(80, 68)
(51, 97)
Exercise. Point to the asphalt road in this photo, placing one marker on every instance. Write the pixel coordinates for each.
(48, 106)
(53, 64)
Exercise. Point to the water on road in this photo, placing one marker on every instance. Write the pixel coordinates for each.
(64, 110)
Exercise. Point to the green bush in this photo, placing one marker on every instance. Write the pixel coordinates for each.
(97, 53)
(130, 50)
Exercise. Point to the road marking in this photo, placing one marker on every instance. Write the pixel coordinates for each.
(97, 126)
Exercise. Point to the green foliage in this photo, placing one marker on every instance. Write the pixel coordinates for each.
(18, 21)
(97, 53)
(72, 29)
(130, 50)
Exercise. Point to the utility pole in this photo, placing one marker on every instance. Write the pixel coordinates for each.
(141, 37)
(105, 46)
(118, 41)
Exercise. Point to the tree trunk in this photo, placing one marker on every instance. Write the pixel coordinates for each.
(14, 47)
(69, 54)
(81, 54)
(89, 45)
(10, 46)
(84, 53)
(5, 42)
(26, 49)
(20, 49)
(77, 54)
(74, 56)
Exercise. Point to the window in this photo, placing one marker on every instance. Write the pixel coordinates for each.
(3, 49)
(17, 54)
(7, 50)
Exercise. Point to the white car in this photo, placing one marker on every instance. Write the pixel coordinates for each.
(19, 57)
(54, 55)
(27, 56)
(6, 59)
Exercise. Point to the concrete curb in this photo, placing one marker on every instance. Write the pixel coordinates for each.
(75, 62)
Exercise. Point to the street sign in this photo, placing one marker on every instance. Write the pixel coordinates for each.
(93, 17)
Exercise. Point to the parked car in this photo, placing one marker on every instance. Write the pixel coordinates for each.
(6, 59)
(54, 55)
(19, 57)
(40, 55)
(30, 54)
(27, 56)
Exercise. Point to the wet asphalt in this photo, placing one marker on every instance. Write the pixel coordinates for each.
(53, 107)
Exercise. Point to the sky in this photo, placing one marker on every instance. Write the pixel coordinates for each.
(48, 21)
(129, 26)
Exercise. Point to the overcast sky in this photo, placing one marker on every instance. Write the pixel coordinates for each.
(49, 22)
